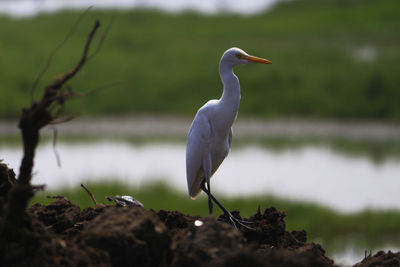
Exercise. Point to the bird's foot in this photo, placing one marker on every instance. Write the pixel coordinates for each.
(235, 221)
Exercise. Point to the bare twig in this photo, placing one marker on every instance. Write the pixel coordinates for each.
(51, 89)
(55, 134)
(50, 58)
(106, 86)
(367, 255)
(102, 39)
(90, 194)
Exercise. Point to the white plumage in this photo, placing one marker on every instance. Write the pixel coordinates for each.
(210, 135)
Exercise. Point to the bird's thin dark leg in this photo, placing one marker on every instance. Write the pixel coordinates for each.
(210, 204)
(232, 218)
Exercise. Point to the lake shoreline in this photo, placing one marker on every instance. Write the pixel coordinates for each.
(244, 127)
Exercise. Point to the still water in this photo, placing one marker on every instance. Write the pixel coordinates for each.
(311, 172)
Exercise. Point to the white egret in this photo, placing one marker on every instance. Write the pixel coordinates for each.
(210, 135)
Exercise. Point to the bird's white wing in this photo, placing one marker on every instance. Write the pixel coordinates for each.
(197, 150)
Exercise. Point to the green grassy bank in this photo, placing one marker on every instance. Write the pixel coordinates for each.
(366, 230)
(330, 58)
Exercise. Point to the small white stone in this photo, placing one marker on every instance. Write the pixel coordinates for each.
(198, 223)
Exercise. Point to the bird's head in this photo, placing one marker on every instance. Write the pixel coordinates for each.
(236, 56)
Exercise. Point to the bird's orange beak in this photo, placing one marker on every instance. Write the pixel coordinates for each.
(256, 59)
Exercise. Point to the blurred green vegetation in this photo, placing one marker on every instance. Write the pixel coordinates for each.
(335, 231)
(331, 58)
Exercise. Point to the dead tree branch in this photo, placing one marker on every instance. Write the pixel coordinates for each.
(58, 47)
(38, 115)
(90, 194)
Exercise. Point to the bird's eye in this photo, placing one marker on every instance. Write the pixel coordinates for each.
(239, 56)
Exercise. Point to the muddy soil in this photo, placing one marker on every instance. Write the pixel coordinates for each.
(61, 234)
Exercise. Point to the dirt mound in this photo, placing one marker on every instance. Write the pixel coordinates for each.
(381, 258)
(61, 234)
(7, 179)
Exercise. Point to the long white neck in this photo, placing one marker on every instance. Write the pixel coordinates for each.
(230, 99)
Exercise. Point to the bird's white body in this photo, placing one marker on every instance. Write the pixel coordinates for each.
(210, 135)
